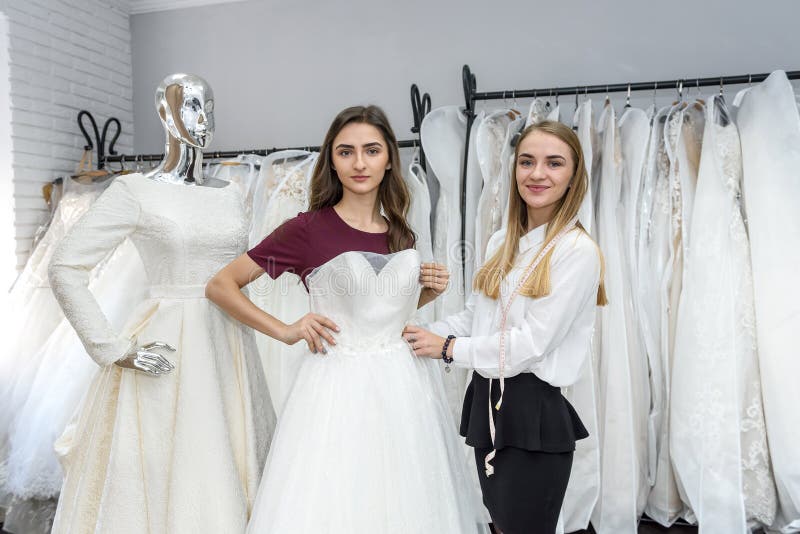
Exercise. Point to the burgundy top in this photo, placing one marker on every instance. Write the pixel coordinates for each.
(311, 239)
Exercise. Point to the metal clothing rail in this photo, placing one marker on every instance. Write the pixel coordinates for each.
(123, 158)
(471, 95)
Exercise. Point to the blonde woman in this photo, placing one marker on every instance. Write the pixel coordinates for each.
(526, 332)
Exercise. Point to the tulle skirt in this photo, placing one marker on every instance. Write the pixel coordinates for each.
(366, 444)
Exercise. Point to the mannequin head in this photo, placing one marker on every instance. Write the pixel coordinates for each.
(185, 103)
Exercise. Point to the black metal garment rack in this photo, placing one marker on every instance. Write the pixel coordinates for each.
(471, 95)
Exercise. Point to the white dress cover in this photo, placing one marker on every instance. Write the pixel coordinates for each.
(443, 132)
(494, 152)
(419, 218)
(35, 315)
(281, 193)
(718, 436)
(621, 381)
(769, 126)
(366, 442)
(682, 144)
(584, 480)
(180, 452)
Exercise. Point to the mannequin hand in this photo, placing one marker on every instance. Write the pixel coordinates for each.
(145, 360)
(313, 328)
(434, 277)
(425, 343)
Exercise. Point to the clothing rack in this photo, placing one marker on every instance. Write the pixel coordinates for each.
(420, 106)
(471, 96)
(123, 158)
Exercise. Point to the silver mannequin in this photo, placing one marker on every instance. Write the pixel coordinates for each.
(185, 104)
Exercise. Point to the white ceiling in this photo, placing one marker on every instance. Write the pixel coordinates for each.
(148, 6)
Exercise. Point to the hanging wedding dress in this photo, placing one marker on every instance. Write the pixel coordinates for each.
(634, 133)
(152, 453)
(280, 194)
(654, 207)
(474, 184)
(442, 133)
(36, 314)
(769, 125)
(584, 481)
(541, 110)
(494, 152)
(586, 134)
(718, 436)
(243, 171)
(392, 464)
(419, 211)
(419, 216)
(621, 380)
(682, 140)
(64, 374)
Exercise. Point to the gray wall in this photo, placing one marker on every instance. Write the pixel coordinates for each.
(281, 69)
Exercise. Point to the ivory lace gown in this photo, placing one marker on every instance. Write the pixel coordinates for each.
(181, 452)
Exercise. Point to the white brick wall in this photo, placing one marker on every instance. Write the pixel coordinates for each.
(65, 55)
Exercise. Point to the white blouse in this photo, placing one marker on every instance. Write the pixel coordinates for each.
(549, 336)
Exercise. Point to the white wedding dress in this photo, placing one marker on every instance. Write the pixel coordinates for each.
(442, 132)
(366, 443)
(280, 194)
(622, 380)
(769, 125)
(35, 316)
(181, 452)
(64, 373)
(718, 436)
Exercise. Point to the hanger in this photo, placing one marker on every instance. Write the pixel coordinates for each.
(628, 97)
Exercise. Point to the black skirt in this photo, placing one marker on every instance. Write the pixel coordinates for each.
(534, 416)
(535, 433)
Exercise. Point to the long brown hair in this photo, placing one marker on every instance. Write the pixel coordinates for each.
(393, 196)
(500, 264)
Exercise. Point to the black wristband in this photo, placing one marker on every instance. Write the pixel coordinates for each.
(447, 359)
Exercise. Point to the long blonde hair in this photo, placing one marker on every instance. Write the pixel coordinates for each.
(489, 276)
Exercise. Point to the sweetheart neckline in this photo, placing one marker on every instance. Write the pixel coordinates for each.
(362, 255)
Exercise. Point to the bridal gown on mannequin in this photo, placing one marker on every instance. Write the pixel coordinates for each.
(366, 442)
(621, 380)
(718, 436)
(281, 193)
(769, 125)
(442, 133)
(180, 452)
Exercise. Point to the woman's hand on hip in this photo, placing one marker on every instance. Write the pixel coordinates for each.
(312, 328)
